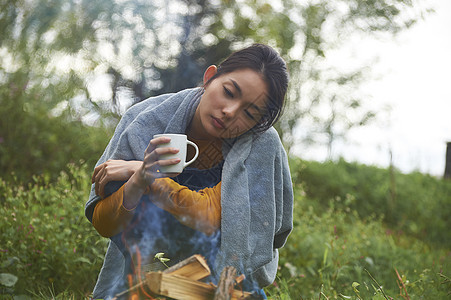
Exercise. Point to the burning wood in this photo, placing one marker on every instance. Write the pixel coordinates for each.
(194, 267)
(178, 287)
(226, 284)
(181, 281)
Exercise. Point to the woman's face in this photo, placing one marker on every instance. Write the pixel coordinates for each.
(231, 105)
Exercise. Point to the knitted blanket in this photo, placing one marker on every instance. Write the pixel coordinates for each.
(256, 193)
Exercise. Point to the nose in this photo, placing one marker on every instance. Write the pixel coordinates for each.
(231, 110)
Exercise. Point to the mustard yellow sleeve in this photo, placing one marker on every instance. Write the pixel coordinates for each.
(199, 210)
(110, 216)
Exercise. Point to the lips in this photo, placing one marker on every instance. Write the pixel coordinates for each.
(218, 123)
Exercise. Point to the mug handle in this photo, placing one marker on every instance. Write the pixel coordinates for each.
(195, 156)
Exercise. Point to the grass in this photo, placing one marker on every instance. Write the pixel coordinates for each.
(342, 249)
(347, 241)
(338, 255)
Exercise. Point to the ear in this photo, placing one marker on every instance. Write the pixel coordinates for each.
(209, 73)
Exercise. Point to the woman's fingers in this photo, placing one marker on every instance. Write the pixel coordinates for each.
(168, 162)
(96, 171)
(158, 152)
(113, 170)
(98, 177)
(157, 157)
(155, 142)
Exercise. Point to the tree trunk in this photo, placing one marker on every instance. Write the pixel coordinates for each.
(448, 161)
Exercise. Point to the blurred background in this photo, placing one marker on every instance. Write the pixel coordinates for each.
(410, 78)
(366, 126)
(367, 77)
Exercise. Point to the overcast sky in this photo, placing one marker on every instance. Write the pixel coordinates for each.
(416, 84)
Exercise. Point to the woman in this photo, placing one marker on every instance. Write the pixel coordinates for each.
(234, 206)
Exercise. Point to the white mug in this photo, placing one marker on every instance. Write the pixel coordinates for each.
(181, 142)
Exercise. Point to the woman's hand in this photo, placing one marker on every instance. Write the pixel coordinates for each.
(148, 171)
(152, 162)
(113, 170)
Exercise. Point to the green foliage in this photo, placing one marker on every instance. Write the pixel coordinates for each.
(46, 241)
(52, 52)
(348, 217)
(42, 90)
(33, 143)
(414, 203)
(335, 253)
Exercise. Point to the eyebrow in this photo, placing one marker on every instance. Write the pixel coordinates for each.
(238, 88)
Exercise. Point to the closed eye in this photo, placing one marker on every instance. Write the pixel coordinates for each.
(228, 93)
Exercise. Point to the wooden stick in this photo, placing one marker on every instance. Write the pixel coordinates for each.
(194, 267)
(181, 282)
(239, 279)
(179, 287)
(131, 289)
(226, 284)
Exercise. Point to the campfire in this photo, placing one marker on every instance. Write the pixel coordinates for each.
(183, 281)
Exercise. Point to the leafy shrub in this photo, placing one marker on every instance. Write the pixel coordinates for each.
(335, 253)
(339, 242)
(46, 240)
(32, 142)
(414, 203)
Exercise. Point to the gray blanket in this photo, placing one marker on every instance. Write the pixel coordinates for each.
(256, 195)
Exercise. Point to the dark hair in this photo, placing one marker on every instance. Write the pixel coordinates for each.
(266, 61)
